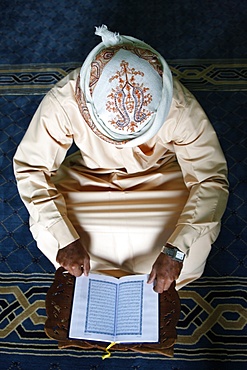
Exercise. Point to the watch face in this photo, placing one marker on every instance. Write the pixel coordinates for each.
(180, 255)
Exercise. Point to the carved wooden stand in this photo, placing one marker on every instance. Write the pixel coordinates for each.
(58, 308)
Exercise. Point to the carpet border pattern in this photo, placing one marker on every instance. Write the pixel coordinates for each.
(198, 75)
(211, 326)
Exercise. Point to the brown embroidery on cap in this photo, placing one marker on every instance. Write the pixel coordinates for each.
(128, 99)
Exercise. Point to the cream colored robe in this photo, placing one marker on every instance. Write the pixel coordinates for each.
(126, 203)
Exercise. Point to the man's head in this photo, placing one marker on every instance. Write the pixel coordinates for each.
(125, 88)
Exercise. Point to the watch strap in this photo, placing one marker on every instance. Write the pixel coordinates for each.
(174, 253)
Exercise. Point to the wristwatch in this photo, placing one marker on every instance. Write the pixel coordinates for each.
(174, 253)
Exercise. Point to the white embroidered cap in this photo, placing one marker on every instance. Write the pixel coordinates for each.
(126, 88)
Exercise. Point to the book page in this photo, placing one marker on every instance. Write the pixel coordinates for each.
(137, 312)
(96, 305)
(94, 308)
(101, 312)
(130, 306)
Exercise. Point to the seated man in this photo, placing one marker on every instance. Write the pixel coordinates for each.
(146, 191)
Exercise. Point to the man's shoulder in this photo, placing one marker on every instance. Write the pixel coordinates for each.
(66, 85)
(62, 95)
(181, 95)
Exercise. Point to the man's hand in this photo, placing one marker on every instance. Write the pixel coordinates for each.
(165, 270)
(74, 258)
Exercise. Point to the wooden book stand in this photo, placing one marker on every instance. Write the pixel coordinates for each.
(58, 307)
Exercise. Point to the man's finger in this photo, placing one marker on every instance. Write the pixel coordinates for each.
(151, 277)
(86, 267)
(159, 287)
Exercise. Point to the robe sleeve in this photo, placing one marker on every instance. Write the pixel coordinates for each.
(204, 171)
(38, 156)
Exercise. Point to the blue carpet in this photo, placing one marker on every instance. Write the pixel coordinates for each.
(205, 46)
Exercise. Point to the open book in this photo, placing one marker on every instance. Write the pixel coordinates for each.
(114, 310)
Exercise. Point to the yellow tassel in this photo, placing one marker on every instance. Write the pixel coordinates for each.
(107, 351)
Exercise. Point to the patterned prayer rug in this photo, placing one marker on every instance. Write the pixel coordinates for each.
(38, 46)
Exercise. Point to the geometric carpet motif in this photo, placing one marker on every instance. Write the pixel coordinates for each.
(213, 318)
